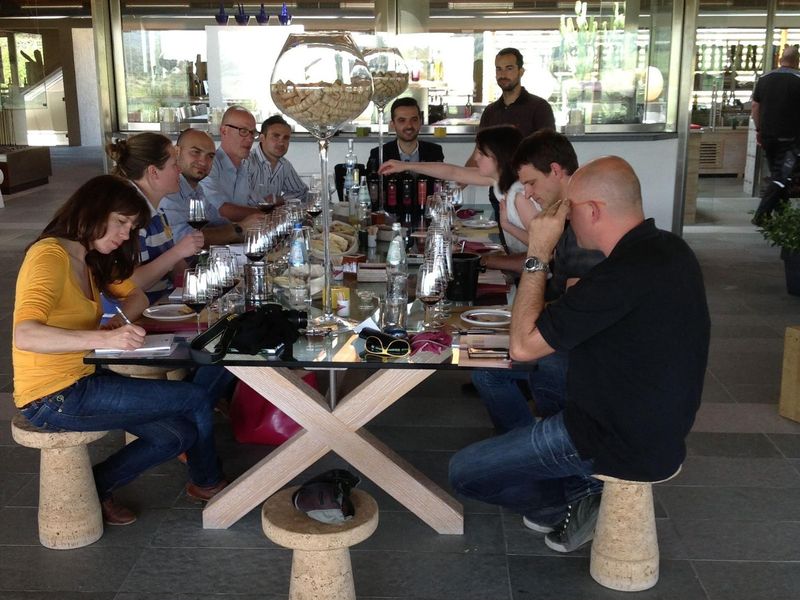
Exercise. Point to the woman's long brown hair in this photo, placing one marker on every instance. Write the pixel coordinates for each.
(84, 218)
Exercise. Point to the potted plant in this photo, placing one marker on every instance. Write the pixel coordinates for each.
(782, 229)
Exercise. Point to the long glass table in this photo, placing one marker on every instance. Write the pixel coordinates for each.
(338, 428)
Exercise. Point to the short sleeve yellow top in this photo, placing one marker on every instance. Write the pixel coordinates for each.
(48, 292)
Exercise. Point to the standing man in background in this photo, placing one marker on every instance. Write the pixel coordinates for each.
(517, 107)
(775, 101)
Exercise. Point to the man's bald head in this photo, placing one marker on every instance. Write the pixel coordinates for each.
(609, 179)
(605, 201)
(790, 57)
(195, 154)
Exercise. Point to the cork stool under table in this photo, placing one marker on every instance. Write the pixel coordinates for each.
(321, 568)
(69, 510)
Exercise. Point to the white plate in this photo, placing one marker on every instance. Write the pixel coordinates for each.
(487, 317)
(479, 223)
(169, 312)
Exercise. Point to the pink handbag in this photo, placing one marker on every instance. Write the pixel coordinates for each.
(255, 420)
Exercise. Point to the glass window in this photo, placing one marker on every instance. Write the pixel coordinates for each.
(588, 58)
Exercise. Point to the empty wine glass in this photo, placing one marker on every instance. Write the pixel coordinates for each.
(195, 291)
(429, 290)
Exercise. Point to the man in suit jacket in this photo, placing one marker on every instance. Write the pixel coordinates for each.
(406, 120)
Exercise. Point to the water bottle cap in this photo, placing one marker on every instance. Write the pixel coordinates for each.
(298, 225)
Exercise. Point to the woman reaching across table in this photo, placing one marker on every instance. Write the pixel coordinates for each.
(87, 248)
(495, 147)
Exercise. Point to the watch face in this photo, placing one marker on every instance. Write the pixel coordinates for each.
(533, 264)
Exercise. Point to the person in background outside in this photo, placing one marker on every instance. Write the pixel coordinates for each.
(774, 111)
(633, 385)
(195, 156)
(227, 187)
(149, 161)
(91, 246)
(271, 174)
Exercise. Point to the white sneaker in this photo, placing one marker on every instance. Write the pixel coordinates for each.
(536, 526)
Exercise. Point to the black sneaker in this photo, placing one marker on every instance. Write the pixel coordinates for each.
(578, 526)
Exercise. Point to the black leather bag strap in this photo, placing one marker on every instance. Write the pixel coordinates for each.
(224, 329)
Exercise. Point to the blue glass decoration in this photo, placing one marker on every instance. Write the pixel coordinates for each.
(262, 18)
(221, 17)
(242, 18)
(285, 17)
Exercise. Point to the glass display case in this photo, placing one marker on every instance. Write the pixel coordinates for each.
(612, 64)
(727, 63)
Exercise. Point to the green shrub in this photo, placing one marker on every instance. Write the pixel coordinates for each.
(783, 229)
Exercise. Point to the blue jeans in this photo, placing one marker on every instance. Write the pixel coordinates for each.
(168, 417)
(217, 380)
(535, 471)
(504, 400)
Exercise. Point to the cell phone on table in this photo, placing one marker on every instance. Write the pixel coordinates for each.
(487, 352)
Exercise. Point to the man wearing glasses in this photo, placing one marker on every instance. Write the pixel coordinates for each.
(227, 187)
(271, 174)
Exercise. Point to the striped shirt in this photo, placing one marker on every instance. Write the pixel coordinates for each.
(154, 240)
(283, 180)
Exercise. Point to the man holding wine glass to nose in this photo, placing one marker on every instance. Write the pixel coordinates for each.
(188, 207)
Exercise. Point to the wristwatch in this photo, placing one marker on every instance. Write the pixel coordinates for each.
(238, 229)
(533, 264)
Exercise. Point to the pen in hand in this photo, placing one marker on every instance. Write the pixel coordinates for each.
(122, 314)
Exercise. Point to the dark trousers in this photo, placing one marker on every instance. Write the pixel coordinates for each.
(781, 155)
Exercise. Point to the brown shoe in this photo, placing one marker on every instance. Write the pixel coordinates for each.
(116, 514)
(182, 458)
(205, 493)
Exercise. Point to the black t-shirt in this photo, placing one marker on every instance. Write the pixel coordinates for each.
(569, 261)
(528, 113)
(778, 94)
(636, 328)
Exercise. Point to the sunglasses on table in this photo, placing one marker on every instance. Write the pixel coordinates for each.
(378, 343)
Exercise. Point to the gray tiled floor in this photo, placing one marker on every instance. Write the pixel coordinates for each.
(728, 525)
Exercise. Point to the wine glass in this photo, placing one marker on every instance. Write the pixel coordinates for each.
(197, 213)
(389, 79)
(265, 201)
(195, 291)
(254, 246)
(429, 290)
(321, 81)
(313, 205)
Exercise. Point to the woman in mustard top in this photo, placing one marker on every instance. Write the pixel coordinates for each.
(88, 248)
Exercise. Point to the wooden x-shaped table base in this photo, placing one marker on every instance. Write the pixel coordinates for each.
(340, 431)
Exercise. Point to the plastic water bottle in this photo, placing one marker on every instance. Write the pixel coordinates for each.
(364, 204)
(396, 305)
(299, 269)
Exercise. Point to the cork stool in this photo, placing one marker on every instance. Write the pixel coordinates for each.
(625, 548)
(69, 510)
(321, 568)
